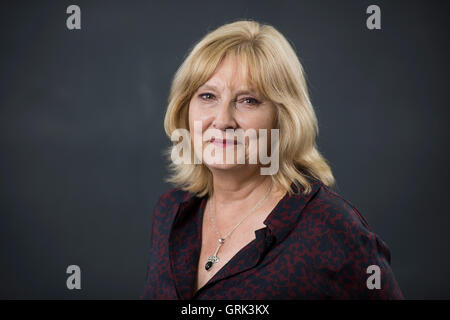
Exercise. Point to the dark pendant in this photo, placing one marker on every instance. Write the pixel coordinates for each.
(214, 258)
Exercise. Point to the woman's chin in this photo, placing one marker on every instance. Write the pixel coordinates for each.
(223, 166)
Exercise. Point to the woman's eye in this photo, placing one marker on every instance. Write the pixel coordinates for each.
(206, 96)
(251, 101)
(248, 101)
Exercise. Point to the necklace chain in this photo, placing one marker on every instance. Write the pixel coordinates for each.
(256, 206)
(214, 258)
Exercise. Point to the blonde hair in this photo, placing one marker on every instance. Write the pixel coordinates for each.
(275, 70)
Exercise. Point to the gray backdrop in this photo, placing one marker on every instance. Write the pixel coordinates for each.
(82, 137)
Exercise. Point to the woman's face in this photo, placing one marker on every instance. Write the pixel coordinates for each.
(225, 102)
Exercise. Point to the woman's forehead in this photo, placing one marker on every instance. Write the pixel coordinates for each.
(235, 78)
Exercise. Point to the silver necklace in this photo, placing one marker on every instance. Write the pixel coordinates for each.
(214, 258)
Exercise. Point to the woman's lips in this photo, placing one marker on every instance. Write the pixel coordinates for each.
(222, 142)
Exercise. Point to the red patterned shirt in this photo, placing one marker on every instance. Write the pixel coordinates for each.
(315, 246)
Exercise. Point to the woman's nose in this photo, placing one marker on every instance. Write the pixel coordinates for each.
(224, 118)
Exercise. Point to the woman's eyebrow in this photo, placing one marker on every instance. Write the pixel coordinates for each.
(210, 87)
(243, 91)
(246, 92)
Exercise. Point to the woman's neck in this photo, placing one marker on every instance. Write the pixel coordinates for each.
(239, 188)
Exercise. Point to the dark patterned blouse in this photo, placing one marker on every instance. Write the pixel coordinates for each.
(315, 246)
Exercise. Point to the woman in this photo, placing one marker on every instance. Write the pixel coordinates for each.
(228, 231)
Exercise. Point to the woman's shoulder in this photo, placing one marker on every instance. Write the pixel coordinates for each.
(328, 215)
(173, 196)
(344, 245)
(165, 207)
(339, 220)
(328, 205)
